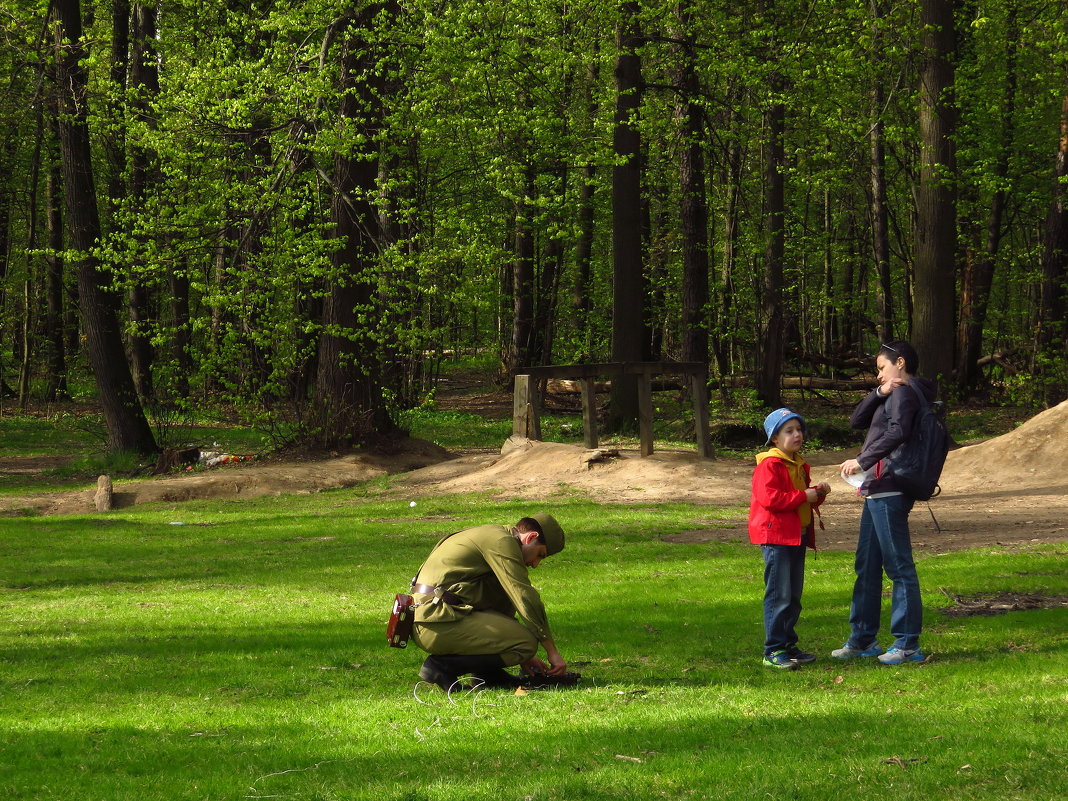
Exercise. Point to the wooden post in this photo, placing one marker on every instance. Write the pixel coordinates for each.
(104, 498)
(645, 413)
(525, 421)
(699, 390)
(589, 411)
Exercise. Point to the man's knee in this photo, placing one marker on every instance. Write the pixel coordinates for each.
(520, 653)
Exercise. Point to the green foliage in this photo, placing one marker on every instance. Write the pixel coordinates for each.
(242, 654)
(494, 119)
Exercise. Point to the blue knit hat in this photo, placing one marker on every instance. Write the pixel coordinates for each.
(778, 418)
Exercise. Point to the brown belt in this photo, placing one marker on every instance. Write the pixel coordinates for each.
(446, 596)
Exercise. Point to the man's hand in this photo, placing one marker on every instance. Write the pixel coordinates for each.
(534, 665)
(559, 666)
(556, 667)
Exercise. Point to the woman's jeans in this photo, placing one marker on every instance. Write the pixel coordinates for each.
(884, 544)
(784, 578)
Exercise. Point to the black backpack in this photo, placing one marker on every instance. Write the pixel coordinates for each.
(916, 464)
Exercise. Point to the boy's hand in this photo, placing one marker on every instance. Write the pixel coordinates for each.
(818, 492)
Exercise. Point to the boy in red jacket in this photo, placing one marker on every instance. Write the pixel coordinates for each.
(781, 523)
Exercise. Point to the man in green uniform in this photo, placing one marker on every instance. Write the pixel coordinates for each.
(467, 595)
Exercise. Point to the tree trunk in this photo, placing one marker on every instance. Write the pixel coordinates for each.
(581, 298)
(552, 267)
(7, 199)
(55, 346)
(628, 323)
(519, 353)
(880, 217)
(694, 207)
(722, 341)
(771, 346)
(936, 233)
(178, 287)
(144, 81)
(1051, 338)
(348, 390)
(128, 429)
(115, 143)
(978, 277)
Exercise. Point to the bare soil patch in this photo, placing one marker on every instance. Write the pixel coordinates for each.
(1004, 492)
(988, 605)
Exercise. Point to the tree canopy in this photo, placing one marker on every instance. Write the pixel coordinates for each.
(301, 207)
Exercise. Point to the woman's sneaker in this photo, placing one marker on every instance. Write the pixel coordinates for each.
(799, 657)
(899, 656)
(847, 651)
(779, 659)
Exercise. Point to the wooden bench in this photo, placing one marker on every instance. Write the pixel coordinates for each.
(526, 402)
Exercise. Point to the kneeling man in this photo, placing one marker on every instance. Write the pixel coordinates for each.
(467, 595)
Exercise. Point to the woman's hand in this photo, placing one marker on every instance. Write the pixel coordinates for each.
(849, 467)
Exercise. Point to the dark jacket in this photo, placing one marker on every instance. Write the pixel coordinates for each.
(889, 420)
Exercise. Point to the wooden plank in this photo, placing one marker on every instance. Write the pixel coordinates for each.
(645, 414)
(608, 369)
(699, 390)
(589, 412)
(525, 421)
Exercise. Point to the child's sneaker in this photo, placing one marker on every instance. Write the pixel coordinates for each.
(779, 659)
(899, 656)
(847, 651)
(799, 657)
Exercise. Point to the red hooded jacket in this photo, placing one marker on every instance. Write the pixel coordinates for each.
(773, 515)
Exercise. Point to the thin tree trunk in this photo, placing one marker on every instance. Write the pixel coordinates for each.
(722, 342)
(1050, 342)
(144, 81)
(771, 345)
(880, 218)
(581, 299)
(694, 206)
(55, 346)
(978, 277)
(519, 354)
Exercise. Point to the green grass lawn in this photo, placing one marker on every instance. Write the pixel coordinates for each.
(242, 655)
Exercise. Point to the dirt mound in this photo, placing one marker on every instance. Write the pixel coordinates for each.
(544, 469)
(978, 506)
(1021, 458)
(1003, 492)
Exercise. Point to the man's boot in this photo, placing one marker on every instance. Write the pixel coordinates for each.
(490, 669)
(445, 669)
(442, 670)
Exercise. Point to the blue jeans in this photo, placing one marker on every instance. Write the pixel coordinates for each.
(884, 544)
(784, 578)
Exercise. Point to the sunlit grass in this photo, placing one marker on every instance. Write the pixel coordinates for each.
(236, 650)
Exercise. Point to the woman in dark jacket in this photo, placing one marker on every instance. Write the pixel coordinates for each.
(889, 413)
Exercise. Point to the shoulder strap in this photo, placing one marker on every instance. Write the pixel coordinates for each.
(924, 403)
(415, 578)
(919, 395)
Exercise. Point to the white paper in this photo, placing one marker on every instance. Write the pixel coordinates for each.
(858, 478)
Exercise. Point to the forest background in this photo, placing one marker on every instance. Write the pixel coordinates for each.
(298, 210)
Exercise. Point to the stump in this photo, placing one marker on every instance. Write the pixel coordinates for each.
(104, 497)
